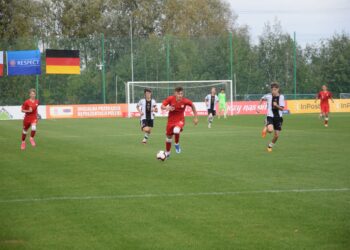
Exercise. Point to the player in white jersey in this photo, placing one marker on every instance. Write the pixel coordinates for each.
(210, 101)
(274, 120)
(147, 107)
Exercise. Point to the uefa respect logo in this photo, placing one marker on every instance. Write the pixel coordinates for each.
(24, 62)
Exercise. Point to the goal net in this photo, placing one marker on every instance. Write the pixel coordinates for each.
(196, 91)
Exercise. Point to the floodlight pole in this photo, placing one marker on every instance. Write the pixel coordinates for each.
(37, 76)
(295, 68)
(103, 69)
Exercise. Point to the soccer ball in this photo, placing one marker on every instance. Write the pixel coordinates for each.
(161, 155)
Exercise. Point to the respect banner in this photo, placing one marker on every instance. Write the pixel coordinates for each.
(25, 62)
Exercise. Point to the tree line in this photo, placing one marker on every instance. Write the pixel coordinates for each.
(172, 40)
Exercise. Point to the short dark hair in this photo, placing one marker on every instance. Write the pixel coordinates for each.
(179, 89)
(275, 85)
(147, 90)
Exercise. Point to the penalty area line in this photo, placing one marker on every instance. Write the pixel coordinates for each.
(169, 195)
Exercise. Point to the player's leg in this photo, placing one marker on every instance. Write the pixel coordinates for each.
(147, 132)
(32, 134)
(168, 139)
(26, 126)
(225, 111)
(326, 118)
(210, 117)
(268, 127)
(277, 127)
(177, 130)
(145, 129)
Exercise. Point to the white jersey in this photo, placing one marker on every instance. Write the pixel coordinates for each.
(209, 100)
(146, 108)
(271, 111)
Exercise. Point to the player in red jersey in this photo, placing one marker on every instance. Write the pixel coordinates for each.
(324, 95)
(30, 108)
(176, 106)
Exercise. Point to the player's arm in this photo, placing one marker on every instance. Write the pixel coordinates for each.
(281, 103)
(139, 109)
(259, 104)
(155, 108)
(317, 97)
(165, 105)
(331, 96)
(206, 100)
(194, 110)
(26, 109)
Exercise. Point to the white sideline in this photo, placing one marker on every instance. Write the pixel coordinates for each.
(167, 195)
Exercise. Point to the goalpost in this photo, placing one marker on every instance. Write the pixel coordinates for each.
(193, 90)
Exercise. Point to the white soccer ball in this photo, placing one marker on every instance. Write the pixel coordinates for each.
(161, 155)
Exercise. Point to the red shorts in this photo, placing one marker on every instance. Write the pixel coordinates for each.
(325, 108)
(170, 127)
(27, 123)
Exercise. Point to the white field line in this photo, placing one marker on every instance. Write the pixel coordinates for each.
(169, 195)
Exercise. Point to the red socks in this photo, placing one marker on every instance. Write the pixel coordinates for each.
(177, 138)
(24, 137)
(168, 146)
(32, 133)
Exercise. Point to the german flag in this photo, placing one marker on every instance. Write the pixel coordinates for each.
(62, 61)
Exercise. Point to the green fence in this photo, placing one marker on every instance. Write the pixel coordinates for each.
(107, 63)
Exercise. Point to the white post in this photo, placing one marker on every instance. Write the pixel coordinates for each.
(231, 98)
(128, 98)
(116, 89)
(132, 51)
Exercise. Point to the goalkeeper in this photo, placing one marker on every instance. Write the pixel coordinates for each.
(222, 103)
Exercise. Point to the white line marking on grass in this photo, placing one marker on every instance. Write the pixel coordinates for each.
(167, 195)
(217, 133)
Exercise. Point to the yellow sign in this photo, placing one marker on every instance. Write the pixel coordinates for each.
(309, 106)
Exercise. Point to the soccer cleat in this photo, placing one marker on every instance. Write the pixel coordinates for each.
(209, 125)
(269, 149)
(167, 155)
(23, 145)
(32, 141)
(177, 148)
(326, 125)
(263, 133)
(144, 141)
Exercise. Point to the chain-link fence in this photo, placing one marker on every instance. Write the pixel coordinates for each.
(107, 63)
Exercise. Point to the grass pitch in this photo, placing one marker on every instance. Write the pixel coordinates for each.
(91, 184)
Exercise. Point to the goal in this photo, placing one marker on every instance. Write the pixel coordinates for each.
(193, 90)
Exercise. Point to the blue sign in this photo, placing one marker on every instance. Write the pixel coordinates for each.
(26, 62)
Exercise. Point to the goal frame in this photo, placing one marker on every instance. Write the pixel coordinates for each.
(131, 83)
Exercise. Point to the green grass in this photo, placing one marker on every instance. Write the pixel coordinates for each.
(126, 199)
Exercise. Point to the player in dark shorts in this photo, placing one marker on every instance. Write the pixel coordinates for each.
(274, 120)
(147, 107)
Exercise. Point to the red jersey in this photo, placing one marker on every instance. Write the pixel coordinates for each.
(324, 96)
(177, 115)
(31, 116)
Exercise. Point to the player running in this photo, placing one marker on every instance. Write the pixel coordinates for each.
(274, 120)
(147, 107)
(324, 95)
(222, 103)
(176, 106)
(210, 101)
(30, 108)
